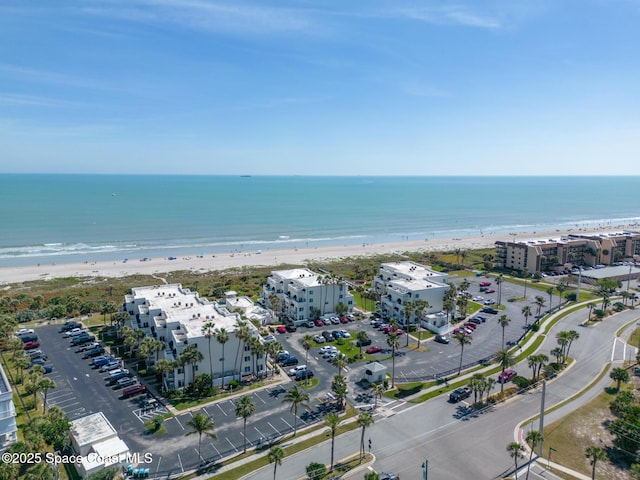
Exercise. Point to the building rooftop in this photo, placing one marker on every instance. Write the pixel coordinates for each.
(92, 429)
(299, 274)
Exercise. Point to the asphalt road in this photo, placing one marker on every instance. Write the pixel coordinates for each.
(473, 447)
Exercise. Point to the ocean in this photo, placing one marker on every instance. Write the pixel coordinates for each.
(77, 218)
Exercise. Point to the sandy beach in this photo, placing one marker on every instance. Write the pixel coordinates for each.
(272, 258)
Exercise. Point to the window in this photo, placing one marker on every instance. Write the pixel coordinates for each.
(247, 359)
(247, 369)
(247, 348)
(311, 300)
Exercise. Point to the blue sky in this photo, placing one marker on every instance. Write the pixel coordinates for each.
(325, 87)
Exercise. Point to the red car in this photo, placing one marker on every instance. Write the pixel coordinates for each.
(319, 323)
(490, 290)
(506, 376)
(374, 349)
(344, 319)
(459, 330)
(31, 345)
(485, 284)
(471, 325)
(281, 329)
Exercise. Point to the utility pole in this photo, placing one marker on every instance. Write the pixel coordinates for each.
(425, 466)
(541, 425)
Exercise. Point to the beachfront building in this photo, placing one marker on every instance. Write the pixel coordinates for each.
(567, 251)
(303, 294)
(403, 283)
(183, 321)
(247, 308)
(8, 427)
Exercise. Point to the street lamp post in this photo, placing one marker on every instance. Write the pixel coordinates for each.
(425, 466)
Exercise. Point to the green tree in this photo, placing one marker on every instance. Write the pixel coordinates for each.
(316, 471)
(340, 362)
(244, 409)
(276, 454)
(208, 330)
(44, 385)
(307, 343)
(516, 451)
(222, 336)
(504, 322)
(371, 475)
(594, 454)
(550, 293)
(499, 281)
(202, 425)
(619, 375)
(462, 340)
(539, 303)
(296, 397)
(361, 338)
(505, 359)
(533, 438)
(365, 419)
(332, 421)
(394, 343)
(526, 311)
(339, 389)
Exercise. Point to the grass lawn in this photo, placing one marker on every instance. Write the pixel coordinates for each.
(584, 427)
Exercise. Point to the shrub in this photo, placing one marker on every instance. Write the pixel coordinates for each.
(535, 327)
(571, 296)
(233, 384)
(521, 382)
(316, 471)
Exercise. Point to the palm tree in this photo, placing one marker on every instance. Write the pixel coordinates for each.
(202, 425)
(394, 343)
(619, 375)
(244, 409)
(44, 385)
(296, 397)
(539, 302)
(378, 391)
(550, 293)
(594, 454)
(533, 438)
(503, 321)
(361, 338)
(563, 340)
(558, 353)
(561, 287)
(525, 274)
(420, 306)
(339, 389)
(332, 421)
(526, 311)
(407, 311)
(22, 363)
(499, 280)
(340, 362)
(208, 332)
(365, 419)
(515, 451)
(462, 340)
(571, 336)
(222, 337)
(307, 343)
(505, 359)
(242, 334)
(193, 356)
(276, 454)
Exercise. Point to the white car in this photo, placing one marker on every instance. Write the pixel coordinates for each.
(345, 334)
(25, 331)
(478, 299)
(296, 369)
(74, 333)
(328, 348)
(319, 338)
(489, 302)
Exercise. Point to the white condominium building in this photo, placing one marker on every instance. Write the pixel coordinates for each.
(402, 282)
(180, 319)
(8, 427)
(300, 290)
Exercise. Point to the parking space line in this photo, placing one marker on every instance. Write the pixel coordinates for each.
(290, 426)
(158, 466)
(276, 430)
(261, 434)
(176, 417)
(205, 411)
(180, 460)
(223, 412)
(61, 404)
(259, 398)
(232, 445)
(214, 447)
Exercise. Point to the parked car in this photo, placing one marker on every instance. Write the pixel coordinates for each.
(291, 328)
(335, 320)
(319, 338)
(133, 390)
(490, 290)
(490, 310)
(389, 476)
(326, 321)
(374, 349)
(281, 329)
(484, 284)
(282, 356)
(327, 336)
(319, 323)
(269, 339)
(506, 376)
(309, 324)
(125, 382)
(344, 319)
(345, 334)
(336, 334)
(31, 345)
(328, 348)
(93, 352)
(48, 368)
(113, 378)
(303, 375)
(471, 325)
(296, 369)
(28, 337)
(475, 320)
(82, 339)
(37, 361)
(111, 365)
(482, 318)
(459, 394)
(290, 360)
(24, 331)
(69, 326)
(87, 346)
(36, 353)
(363, 343)
(99, 361)
(441, 339)
(74, 332)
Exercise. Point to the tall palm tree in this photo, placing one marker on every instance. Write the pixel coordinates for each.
(561, 287)
(276, 454)
(339, 389)
(539, 302)
(499, 280)
(362, 338)
(44, 385)
(420, 307)
(242, 334)
(208, 332)
(307, 343)
(571, 336)
(462, 340)
(505, 359)
(563, 340)
(503, 321)
(244, 409)
(550, 293)
(407, 311)
(378, 391)
(533, 438)
(594, 454)
(340, 362)
(515, 451)
(525, 274)
(619, 375)
(394, 343)
(365, 419)
(202, 425)
(526, 311)
(222, 337)
(332, 421)
(296, 397)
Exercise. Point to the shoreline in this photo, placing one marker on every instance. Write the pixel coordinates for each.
(273, 258)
